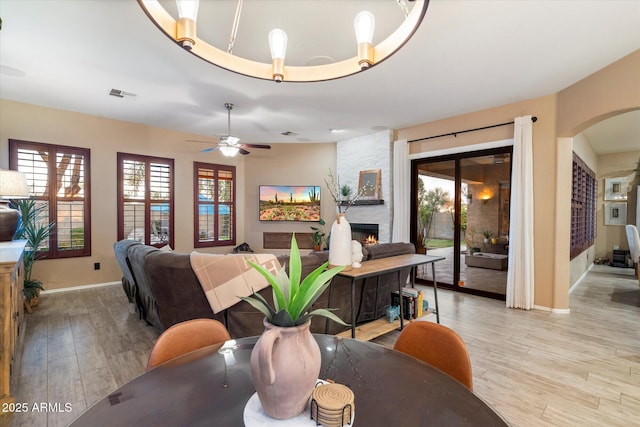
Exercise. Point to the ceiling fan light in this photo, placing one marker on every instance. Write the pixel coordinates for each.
(229, 151)
(364, 24)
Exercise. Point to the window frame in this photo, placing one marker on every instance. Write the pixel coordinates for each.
(53, 199)
(216, 169)
(147, 160)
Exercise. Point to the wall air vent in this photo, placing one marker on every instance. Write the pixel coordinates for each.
(121, 93)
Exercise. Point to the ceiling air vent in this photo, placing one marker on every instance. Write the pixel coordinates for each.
(289, 133)
(121, 93)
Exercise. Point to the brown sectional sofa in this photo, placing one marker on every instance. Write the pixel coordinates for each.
(166, 291)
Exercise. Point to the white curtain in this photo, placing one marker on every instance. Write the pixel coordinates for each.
(401, 189)
(520, 276)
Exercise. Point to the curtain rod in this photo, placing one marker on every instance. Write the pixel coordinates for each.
(455, 134)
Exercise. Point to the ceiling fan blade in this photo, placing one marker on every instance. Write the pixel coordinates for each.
(243, 151)
(268, 147)
(201, 141)
(210, 149)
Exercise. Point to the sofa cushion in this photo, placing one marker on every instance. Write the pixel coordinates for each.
(178, 293)
(121, 250)
(147, 298)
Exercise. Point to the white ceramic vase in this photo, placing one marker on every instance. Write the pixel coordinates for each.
(340, 242)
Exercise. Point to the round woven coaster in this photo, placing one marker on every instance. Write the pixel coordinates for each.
(332, 405)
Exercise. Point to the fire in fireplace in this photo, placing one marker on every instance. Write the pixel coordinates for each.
(366, 234)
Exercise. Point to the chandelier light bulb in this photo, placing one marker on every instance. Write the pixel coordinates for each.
(364, 25)
(186, 24)
(277, 43)
(188, 9)
(182, 30)
(278, 47)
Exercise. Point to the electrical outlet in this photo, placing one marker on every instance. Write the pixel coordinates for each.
(96, 266)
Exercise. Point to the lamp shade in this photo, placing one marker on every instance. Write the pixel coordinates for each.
(13, 185)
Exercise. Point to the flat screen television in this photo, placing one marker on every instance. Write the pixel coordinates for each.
(290, 203)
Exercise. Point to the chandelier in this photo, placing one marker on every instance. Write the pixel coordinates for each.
(178, 22)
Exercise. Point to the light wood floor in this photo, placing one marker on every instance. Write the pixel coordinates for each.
(535, 368)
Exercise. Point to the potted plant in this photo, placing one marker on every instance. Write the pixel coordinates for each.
(285, 374)
(317, 237)
(488, 234)
(36, 233)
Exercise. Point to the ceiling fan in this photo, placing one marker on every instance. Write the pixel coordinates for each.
(228, 144)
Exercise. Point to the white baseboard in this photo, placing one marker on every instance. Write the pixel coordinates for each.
(575, 285)
(552, 310)
(77, 288)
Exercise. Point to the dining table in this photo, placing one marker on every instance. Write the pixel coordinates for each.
(212, 386)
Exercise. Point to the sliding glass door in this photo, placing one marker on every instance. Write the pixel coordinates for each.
(461, 212)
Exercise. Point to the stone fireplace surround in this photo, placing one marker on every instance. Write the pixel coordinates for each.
(374, 151)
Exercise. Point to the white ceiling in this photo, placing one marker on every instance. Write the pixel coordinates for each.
(466, 56)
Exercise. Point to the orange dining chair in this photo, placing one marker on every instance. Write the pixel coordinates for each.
(438, 346)
(185, 337)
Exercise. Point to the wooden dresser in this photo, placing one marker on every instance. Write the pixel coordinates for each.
(11, 313)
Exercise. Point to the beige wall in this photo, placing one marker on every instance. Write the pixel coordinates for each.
(105, 138)
(613, 90)
(611, 166)
(544, 165)
(287, 164)
(610, 91)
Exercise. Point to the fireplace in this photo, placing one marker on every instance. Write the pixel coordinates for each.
(366, 234)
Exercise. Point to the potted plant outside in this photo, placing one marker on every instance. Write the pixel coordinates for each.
(285, 374)
(36, 233)
(488, 234)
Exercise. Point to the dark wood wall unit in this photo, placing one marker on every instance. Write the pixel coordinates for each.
(274, 240)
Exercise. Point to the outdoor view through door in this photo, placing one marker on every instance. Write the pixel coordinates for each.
(462, 213)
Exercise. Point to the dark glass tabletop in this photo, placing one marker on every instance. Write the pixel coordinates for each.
(211, 387)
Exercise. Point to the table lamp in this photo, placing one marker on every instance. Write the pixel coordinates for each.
(13, 185)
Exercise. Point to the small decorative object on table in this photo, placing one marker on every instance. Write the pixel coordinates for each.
(332, 405)
(285, 361)
(356, 254)
(393, 313)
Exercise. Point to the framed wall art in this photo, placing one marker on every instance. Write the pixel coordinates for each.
(289, 203)
(615, 188)
(615, 213)
(370, 183)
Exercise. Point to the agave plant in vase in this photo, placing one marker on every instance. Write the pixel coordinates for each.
(285, 374)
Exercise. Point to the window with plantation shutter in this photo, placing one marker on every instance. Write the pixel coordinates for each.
(59, 181)
(214, 205)
(145, 199)
(583, 207)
